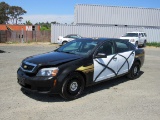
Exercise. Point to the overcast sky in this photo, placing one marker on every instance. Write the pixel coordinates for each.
(62, 11)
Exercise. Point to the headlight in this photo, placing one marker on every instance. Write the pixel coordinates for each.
(132, 40)
(48, 72)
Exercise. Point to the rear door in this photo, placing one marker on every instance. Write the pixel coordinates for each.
(125, 57)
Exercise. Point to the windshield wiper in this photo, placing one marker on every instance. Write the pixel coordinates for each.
(68, 52)
(65, 52)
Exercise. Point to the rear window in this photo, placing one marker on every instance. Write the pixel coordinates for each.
(122, 47)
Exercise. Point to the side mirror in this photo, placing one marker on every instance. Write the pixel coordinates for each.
(100, 55)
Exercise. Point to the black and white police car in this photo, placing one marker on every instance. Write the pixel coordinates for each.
(78, 64)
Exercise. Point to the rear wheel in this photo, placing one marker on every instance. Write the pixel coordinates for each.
(135, 71)
(136, 44)
(73, 86)
(144, 44)
(63, 43)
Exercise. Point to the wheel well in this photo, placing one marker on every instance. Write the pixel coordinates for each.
(64, 41)
(138, 61)
(83, 75)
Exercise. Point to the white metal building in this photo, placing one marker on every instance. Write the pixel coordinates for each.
(115, 15)
(110, 21)
(153, 34)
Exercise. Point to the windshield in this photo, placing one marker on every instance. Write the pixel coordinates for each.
(78, 47)
(131, 35)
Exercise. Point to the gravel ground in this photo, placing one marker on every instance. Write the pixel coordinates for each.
(118, 99)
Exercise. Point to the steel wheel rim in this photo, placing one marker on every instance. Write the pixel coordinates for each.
(73, 86)
(136, 70)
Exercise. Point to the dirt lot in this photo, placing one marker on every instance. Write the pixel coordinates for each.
(119, 99)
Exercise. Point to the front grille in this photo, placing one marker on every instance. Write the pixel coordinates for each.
(28, 67)
(43, 89)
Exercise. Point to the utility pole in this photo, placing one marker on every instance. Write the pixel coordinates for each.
(22, 35)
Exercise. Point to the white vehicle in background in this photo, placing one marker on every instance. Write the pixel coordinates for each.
(63, 40)
(136, 38)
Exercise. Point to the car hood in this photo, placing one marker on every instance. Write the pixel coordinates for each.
(52, 58)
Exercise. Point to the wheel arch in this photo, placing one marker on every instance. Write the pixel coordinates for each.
(68, 72)
(65, 40)
(137, 60)
(81, 73)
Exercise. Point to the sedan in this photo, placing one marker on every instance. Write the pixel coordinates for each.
(63, 40)
(78, 64)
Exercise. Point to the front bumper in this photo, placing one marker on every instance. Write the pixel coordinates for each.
(37, 84)
(59, 42)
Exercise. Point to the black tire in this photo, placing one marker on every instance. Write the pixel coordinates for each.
(144, 44)
(73, 86)
(134, 71)
(63, 43)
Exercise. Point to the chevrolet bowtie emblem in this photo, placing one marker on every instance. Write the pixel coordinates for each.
(25, 66)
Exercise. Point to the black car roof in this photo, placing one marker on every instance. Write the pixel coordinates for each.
(100, 39)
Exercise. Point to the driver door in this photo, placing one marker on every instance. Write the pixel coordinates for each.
(107, 66)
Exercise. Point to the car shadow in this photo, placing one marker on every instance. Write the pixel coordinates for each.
(43, 97)
(107, 84)
(1, 51)
(89, 90)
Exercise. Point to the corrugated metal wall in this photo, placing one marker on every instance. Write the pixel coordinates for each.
(100, 31)
(114, 15)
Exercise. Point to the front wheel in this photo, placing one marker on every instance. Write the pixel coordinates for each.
(73, 86)
(135, 71)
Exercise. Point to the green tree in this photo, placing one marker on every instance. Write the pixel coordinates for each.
(15, 13)
(28, 22)
(45, 26)
(4, 11)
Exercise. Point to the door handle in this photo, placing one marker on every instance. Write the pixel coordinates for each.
(132, 54)
(115, 58)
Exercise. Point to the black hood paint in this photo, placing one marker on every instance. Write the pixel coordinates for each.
(52, 58)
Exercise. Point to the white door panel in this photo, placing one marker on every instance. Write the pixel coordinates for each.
(124, 69)
(125, 60)
(104, 68)
(109, 67)
(131, 59)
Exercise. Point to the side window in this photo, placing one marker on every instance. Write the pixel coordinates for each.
(145, 34)
(66, 36)
(74, 37)
(106, 48)
(142, 34)
(122, 47)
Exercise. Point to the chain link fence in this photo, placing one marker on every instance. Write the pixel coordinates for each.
(25, 36)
